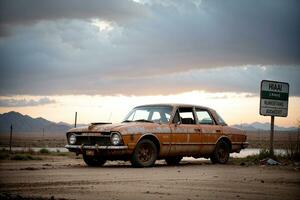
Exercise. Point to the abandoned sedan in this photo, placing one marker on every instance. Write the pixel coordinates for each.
(160, 131)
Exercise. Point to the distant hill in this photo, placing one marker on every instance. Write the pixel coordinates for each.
(257, 126)
(25, 123)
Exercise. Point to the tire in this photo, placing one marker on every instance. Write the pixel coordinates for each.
(173, 160)
(221, 153)
(93, 161)
(145, 154)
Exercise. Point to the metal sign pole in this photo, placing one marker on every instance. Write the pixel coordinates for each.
(272, 136)
(75, 119)
(10, 138)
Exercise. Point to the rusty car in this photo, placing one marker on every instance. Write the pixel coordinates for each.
(159, 131)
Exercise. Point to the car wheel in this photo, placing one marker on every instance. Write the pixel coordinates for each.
(173, 160)
(93, 161)
(145, 154)
(221, 153)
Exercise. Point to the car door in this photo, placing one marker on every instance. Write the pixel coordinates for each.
(184, 132)
(210, 130)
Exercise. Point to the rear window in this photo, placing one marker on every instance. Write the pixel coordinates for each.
(220, 120)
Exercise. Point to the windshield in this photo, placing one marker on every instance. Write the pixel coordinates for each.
(156, 114)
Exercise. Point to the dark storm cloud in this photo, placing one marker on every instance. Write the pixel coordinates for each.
(14, 12)
(25, 103)
(167, 50)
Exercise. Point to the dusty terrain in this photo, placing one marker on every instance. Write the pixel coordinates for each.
(68, 178)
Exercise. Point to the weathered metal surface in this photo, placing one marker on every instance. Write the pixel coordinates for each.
(173, 139)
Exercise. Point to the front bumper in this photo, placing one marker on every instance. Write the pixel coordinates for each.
(108, 152)
(94, 147)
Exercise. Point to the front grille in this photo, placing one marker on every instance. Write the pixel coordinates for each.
(92, 140)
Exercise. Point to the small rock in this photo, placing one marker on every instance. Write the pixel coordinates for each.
(262, 181)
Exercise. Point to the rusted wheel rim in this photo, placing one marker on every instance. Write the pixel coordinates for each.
(145, 153)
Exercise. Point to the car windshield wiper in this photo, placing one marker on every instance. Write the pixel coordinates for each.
(143, 120)
(127, 121)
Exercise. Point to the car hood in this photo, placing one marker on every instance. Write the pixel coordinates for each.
(123, 128)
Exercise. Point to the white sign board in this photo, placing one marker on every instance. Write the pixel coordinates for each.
(274, 98)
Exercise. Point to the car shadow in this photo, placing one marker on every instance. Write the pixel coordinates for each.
(158, 164)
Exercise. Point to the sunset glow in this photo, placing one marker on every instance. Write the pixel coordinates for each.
(235, 108)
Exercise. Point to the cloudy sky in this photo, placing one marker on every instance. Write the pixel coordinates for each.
(101, 57)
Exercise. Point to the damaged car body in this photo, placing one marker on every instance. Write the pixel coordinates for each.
(159, 131)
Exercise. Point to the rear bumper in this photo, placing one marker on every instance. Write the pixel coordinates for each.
(238, 146)
(245, 145)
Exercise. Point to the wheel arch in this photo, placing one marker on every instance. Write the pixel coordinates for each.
(153, 138)
(227, 140)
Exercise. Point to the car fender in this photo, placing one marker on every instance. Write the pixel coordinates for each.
(226, 138)
(150, 135)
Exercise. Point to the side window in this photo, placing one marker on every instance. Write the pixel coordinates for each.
(221, 120)
(204, 117)
(186, 115)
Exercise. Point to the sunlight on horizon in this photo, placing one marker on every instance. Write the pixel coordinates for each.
(235, 108)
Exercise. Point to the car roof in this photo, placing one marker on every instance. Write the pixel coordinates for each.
(177, 105)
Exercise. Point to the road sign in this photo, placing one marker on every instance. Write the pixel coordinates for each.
(274, 98)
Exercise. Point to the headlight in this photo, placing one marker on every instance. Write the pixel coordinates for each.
(115, 138)
(72, 139)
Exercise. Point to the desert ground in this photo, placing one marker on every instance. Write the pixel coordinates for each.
(65, 177)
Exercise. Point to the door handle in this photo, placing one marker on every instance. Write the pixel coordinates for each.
(218, 131)
(198, 130)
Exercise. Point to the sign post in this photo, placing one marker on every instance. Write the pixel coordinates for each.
(10, 138)
(75, 124)
(274, 98)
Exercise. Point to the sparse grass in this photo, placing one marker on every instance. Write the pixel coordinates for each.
(292, 149)
(24, 157)
(263, 154)
(44, 151)
(4, 155)
(30, 154)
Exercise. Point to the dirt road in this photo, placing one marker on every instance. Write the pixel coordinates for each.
(64, 177)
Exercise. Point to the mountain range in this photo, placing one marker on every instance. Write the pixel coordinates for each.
(25, 123)
(258, 126)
